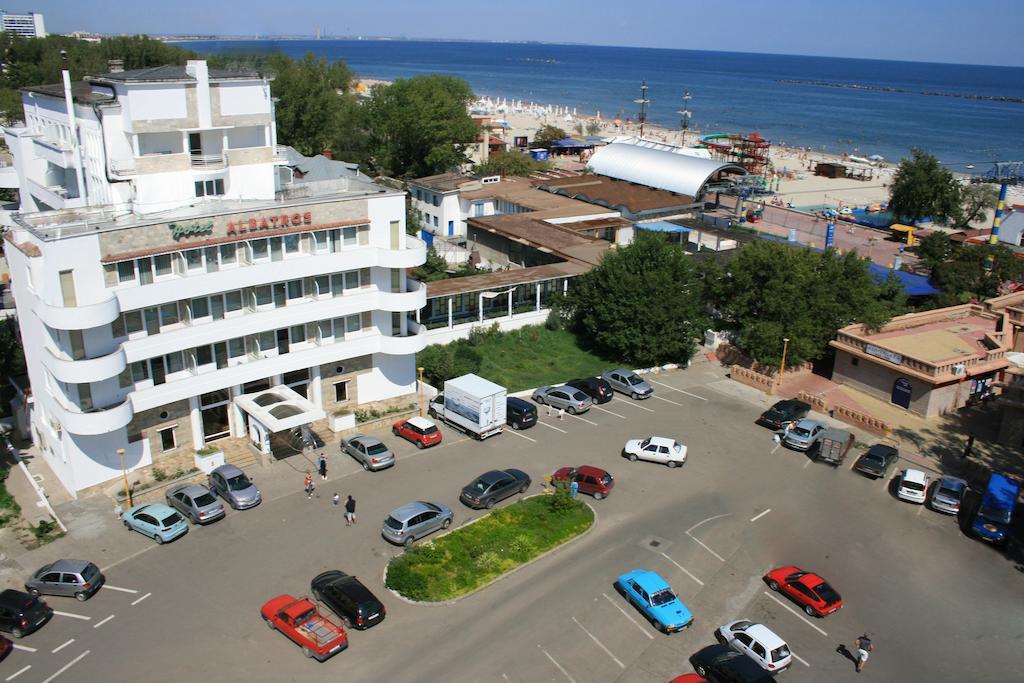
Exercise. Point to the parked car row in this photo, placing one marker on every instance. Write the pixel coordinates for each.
(23, 612)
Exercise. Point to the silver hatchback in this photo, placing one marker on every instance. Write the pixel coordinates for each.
(570, 399)
(231, 484)
(628, 382)
(370, 451)
(413, 521)
(947, 495)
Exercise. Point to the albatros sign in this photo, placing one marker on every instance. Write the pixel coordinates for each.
(242, 225)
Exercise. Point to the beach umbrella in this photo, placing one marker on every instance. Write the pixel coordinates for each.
(876, 157)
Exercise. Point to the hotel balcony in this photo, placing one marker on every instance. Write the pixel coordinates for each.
(93, 422)
(208, 161)
(85, 370)
(82, 317)
(56, 152)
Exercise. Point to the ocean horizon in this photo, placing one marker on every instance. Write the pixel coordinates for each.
(963, 114)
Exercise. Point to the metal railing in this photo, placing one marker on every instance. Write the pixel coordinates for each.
(207, 160)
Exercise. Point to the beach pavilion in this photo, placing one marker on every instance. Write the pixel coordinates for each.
(664, 170)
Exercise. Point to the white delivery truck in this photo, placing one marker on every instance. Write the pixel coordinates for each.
(471, 404)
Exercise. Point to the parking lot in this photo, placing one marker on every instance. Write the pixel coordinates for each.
(938, 606)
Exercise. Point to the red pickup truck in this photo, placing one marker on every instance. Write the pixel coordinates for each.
(299, 619)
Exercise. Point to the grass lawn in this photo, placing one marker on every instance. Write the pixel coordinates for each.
(535, 356)
(467, 558)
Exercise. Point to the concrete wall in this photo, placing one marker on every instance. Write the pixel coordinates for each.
(877, 381)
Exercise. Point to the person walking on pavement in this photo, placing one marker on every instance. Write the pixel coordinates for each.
(968, 451)
(307, 485)
(864, 646)
(336, 501)
(322, 466)
(350, 511)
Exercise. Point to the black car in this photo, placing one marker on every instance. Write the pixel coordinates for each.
(21, 613)
(722, 664)
(594, 387)
(520, 414)
(877, 460)
(783, 413)
(494, 486)
(348, 598)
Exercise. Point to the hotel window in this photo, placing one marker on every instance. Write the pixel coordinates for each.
(209, 188)
(320, 242)
(267, 340)
(264, 295)
(175, 362)
(351, 279)
(217, 307)
(163, 264)
(353, 323)
(220, 354)
(145, 271)
(292, 244)
(85, 396)
(297, 334)
(294, 289)
(77, 344)
(324, 331)
(167, 442)
(350, 236)
(212, 266)
(339, 328)
(193, 260)
(204, 355)
(337, 284)
(341, 391)
(169, 314)
(276, 253)
(228, 254)
(437, 200)
(323, 285)
(140, 371)
(233, 301)
(200, 308)
(236, 347)
(260, 250)
(125, 271)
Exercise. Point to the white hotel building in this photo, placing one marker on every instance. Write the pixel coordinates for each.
(176, 283)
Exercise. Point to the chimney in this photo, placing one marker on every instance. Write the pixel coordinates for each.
(328, 153)
(115, 66)
(197, 69)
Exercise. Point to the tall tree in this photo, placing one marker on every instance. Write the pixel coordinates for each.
(548, 134)
(512, 164)
(770, 291)
(311, 94)
(922, 188)
(976, 200)
(641, 305)
(965, 274)
(934, 249)
(420, 126)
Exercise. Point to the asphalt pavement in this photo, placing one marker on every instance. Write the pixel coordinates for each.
(938, 606)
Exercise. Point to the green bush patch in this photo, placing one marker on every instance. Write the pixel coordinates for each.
(468, 558)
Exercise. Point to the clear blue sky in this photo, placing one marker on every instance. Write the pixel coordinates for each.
(974, 32)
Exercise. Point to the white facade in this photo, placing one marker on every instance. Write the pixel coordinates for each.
(154, 143)
(142, 329)
(25, 24)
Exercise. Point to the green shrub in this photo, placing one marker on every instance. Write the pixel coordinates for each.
(159, 474)
(562, 502)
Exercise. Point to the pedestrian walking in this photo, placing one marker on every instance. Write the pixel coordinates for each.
(548, 406)
(574, 488)
(561, 413)
(336, 501)
(350, 511)
(864, 646)
(968, 450)
(307, 485)
(322, 466)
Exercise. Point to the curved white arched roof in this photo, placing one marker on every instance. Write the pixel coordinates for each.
(664, 170)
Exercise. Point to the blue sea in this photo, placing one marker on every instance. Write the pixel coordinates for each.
(731, 91)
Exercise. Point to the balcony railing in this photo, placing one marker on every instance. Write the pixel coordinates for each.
(208, 160)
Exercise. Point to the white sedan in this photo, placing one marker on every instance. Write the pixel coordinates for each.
(758, 642)
(656, 449)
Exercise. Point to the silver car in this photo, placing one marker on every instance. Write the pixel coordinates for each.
(370, 451)
(414, 521)
(231, 484)
(628, 382)
(77, 578)
(948, 494)
(196, 502)
(803, 435)
(568, 398)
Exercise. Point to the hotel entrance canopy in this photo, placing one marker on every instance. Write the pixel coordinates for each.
(279, 408)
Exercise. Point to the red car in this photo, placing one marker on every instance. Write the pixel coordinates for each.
(5, 648)
(419, 430)
(807, 589)
(688, 678)
(299, 620)
(592, 480)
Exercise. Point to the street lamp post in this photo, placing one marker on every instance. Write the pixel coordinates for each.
(124, 473)
(420, 369)
(782, 366)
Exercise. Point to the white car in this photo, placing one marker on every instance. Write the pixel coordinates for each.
(912, 486)
(758, 642)
(656, 449)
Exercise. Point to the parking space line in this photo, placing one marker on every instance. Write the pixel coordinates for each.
(600, 644)
(559, 666)
(760, 515)
(23, 648)
(798, 615)
(557, 429)
(516, 433)
(683, 569)
(61, 647)
(701, 543)
(807, 464)
(130, 557)
(138, 600)
(67, 666)
(625, 614)
(777, 447)
(668, 401)
(582, 418)
(73, 616)
(679, 390)
(18, 672)
(800, 659)
(635, 404)
(118, 588)
(605, 410)
(98, 624)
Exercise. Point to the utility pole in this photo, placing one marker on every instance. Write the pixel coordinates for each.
(684, 114)
(643, 102)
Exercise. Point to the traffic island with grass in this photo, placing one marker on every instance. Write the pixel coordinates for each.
(473, 556)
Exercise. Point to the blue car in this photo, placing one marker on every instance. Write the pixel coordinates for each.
(654, 597)
(995, 514)
(159, 522)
